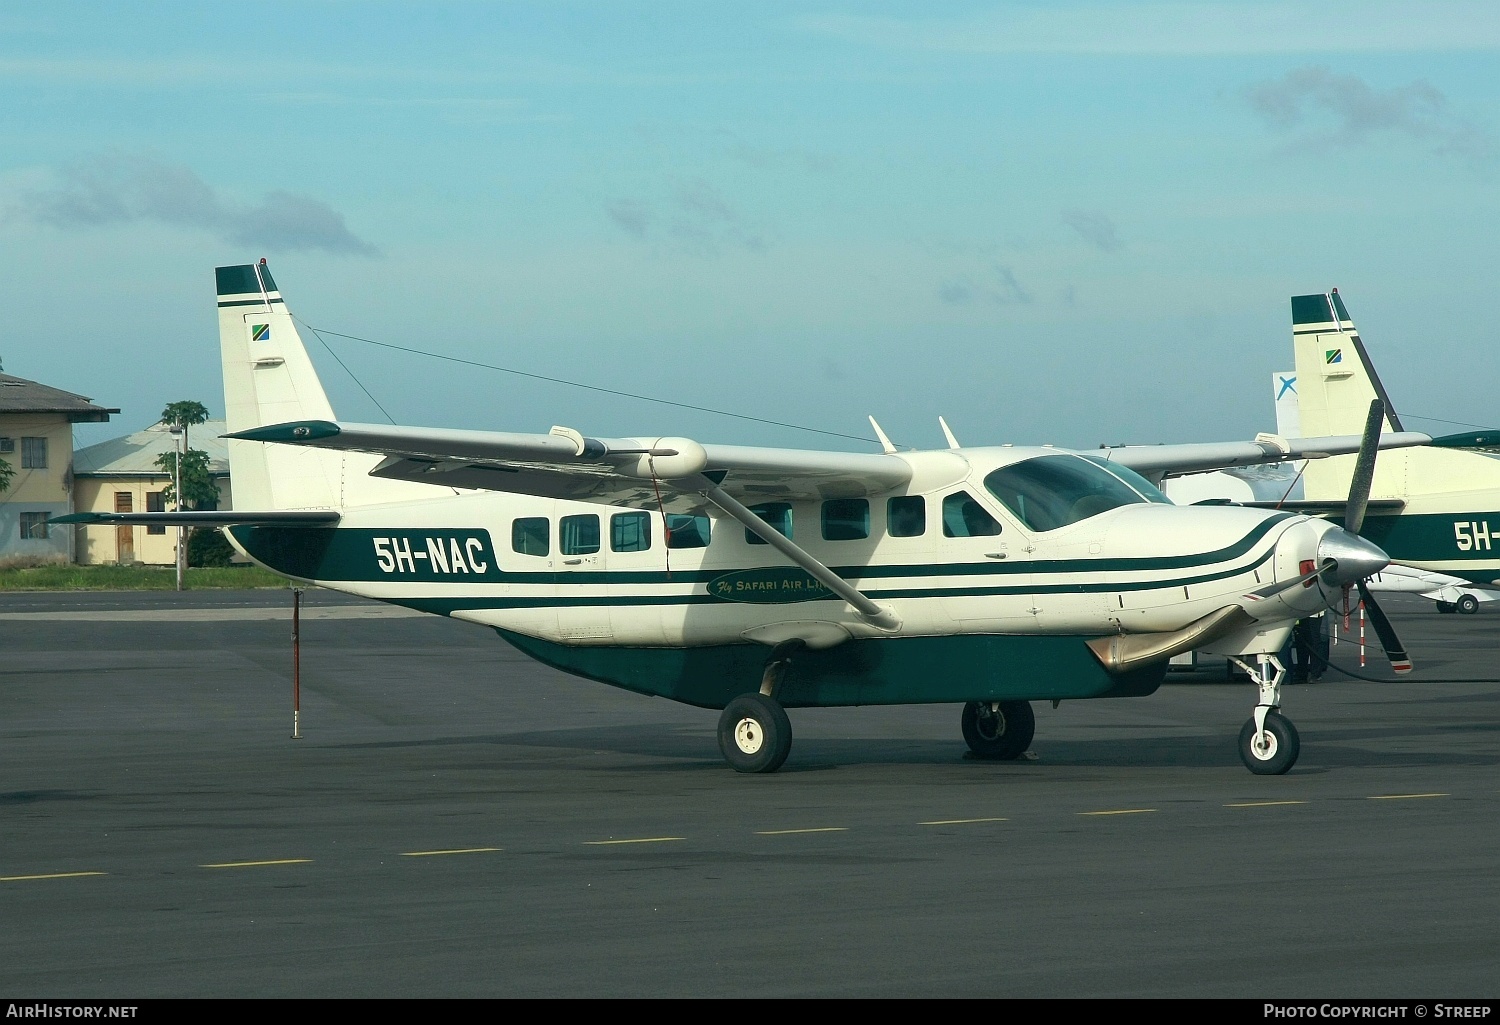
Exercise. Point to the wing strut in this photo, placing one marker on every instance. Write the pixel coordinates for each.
(875, 615)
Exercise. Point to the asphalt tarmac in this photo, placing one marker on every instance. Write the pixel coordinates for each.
(458, 821)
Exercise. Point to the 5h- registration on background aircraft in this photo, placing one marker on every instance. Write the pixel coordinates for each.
(753, 580)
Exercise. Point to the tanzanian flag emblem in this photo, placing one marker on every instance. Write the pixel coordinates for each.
(1333, 356)
(260, 332)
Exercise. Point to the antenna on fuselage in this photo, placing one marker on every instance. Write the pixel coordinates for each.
(947, 433)
(885, 442)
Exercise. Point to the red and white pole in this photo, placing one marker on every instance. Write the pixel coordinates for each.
(1361, 633)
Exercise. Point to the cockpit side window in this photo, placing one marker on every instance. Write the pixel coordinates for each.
(964, 517)
(1049, 492)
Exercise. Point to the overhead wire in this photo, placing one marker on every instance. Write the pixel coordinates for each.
(573, 384)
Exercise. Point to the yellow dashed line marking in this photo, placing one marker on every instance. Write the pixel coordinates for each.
(644, 839)
(257, 864)
(958, 822)
(50, 875)
(786, 832)
(460, 850)
(1120, 811)
(1403, 797)
(1261, 804)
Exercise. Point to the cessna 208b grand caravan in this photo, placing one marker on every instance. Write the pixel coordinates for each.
(758, 579)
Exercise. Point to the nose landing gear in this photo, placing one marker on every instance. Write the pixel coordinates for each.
(1269, 743)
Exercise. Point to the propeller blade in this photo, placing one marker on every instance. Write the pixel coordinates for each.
(1394, 651)
(1364, 468)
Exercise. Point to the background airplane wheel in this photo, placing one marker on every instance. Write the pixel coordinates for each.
(1002, 734)
(755, 734)
(1278, 749)
(1467, 604)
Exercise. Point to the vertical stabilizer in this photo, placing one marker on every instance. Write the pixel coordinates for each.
(1335, 378)
(269, 379)
(1335, 383)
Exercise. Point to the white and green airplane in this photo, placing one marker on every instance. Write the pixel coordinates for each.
(753, 580)
(1434, 508)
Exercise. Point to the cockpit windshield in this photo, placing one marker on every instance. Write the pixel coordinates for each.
(1049, 492)
(1150, 492)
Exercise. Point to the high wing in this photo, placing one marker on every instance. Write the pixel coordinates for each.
(648, 473)
(1156, 462)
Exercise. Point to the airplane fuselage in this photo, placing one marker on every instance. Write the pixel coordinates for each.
(983, 616)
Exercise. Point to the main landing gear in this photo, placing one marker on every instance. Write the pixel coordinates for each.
(1269, 744)
(1000, 730)
(755, 734)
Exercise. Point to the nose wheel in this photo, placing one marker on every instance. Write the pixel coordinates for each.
(1269, 743)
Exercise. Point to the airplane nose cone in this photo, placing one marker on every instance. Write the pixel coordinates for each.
(1355, 557)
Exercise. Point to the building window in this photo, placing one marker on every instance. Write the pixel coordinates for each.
(846, 519)
(778, 515)
(578, 535)
(684, 531)
(155, 503)
(630, 532)
(33, 453)
(530, 535)
(906, 516)
(34, 526)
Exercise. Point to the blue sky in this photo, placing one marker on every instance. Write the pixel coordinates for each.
(1066, 223)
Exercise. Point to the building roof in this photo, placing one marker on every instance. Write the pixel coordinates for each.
(136, 453)
(18, 395)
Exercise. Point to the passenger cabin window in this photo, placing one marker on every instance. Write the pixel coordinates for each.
(846, 519)
(578, 535)
(630, 532)
(1048, 492)
(531, 535)
(777, 514)
(964, 517)
(906, 516)
(685, 531)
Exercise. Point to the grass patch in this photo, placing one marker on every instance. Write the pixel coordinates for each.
(68, 577)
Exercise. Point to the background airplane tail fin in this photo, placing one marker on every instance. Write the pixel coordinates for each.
(1335, 379)
(269, 379)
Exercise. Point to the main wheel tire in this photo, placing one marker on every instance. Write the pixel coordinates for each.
(1277, 749)
(755, 734)
(1001, 733)
(1467, 604)
(1446, 607)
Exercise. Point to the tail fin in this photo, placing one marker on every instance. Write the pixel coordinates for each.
(269, 379)
(1335, 378)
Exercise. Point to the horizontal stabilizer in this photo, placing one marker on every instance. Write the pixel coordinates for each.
(205, 518)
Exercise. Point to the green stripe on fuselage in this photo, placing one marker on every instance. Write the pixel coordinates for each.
(350, 555)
